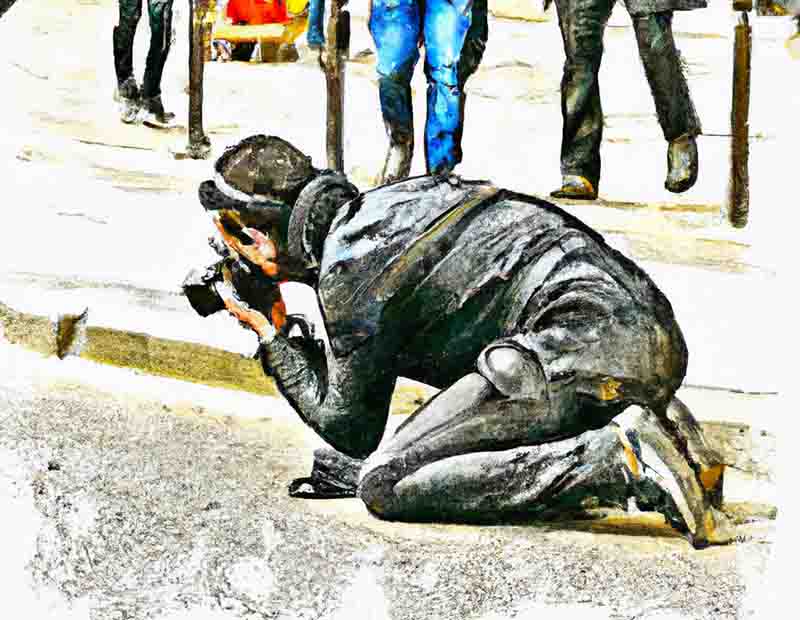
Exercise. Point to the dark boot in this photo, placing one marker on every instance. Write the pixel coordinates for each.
(682, 164)
(154, 115)
(574, 187)
(127, 95)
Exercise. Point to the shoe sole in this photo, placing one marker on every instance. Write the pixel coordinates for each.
(679, 188)
(570, 196)
(155, 124)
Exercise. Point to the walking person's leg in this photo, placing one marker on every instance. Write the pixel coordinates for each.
(446, 24)
(676, 112)
(127, 93)
(394, 26)
(582, 23)
(160, 14)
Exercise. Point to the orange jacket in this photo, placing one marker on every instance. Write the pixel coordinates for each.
(255, 12)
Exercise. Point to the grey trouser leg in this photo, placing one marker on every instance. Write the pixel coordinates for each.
(559, 479)
(662, 65)
(582, 23)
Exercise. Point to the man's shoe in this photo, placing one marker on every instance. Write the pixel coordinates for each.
(682, 165)
(575, 187)
(154, 115)
(333, 475)
(398, 163)
(127, 96)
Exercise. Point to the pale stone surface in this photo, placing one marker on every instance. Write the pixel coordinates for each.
(191, 516)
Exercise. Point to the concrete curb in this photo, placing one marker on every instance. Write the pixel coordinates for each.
(148, 330)
(69, 334)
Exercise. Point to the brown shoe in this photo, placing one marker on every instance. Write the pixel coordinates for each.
(575, 187)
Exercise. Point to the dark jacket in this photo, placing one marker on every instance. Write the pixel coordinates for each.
(418, 277)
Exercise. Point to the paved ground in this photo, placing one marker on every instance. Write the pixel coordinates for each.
(128, 496)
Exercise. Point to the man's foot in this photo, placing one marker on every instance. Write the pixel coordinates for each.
(682, 165)
(575, 187)
(398, 163)
(310, 488)
(333, 475)
(127, 96)
(154, 115)
(715, 529)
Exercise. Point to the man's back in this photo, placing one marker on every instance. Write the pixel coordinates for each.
(439, 269)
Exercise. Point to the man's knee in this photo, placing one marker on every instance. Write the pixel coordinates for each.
(444, 73)
(513, 371)
(396, 73)
(376, 490)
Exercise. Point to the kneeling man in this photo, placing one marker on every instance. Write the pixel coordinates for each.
(538, 333)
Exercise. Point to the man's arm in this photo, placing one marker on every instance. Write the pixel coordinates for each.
(346, 400)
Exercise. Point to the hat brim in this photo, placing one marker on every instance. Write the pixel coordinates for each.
(258, 214)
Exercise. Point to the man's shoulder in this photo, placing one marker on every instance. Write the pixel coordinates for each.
(376, 243)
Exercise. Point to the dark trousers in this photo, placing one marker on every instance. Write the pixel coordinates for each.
(582, 24)
(160, 14)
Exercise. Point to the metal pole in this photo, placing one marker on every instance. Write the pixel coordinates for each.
(199, 145)
(739, 190)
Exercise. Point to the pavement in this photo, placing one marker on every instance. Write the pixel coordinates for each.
(129, 496)
(104, 218)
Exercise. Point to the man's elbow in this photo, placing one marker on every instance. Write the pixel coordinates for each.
(356, 438)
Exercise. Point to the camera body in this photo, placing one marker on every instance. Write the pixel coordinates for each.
(250, 284)
(255, 289)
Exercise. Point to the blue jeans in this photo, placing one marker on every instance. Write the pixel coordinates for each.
(454, 33)
(315, 35)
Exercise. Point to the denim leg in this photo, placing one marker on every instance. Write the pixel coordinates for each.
(315, 34)
(130, 11)
(160, 13)
(582, 24)
(662, 65)
(395, 26)
(446, 26)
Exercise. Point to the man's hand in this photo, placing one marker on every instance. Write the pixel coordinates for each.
(262, 252)
(249, 318)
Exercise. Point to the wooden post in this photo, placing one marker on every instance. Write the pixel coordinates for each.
(199, 145)
(739, 190)
(337, 46)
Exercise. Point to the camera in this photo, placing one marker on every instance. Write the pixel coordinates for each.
(250, 284)
(254, 288)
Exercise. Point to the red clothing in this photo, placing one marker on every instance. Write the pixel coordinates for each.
(255, 12)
